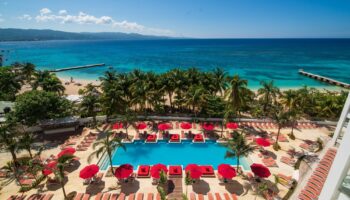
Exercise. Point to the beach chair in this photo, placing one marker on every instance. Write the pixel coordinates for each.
(150, 196)
(158, 196)
(121, 196)
(192, 196)
(48, 197)
(210, 196)
(106, 196)
(234, 196)
(79, 196)
(86, 197)
(200, 197)
(227, 196)
(139, 196)
(114, 196)
(217, 196)
(99, 196)
(131, 196)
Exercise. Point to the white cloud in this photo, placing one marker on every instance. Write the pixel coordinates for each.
(25, 17)
(45, 11)
(83, 18)
(62, 12)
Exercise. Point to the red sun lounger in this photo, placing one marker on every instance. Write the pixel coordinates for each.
(143, 171)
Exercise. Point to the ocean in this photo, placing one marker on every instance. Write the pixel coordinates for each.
(252, 59)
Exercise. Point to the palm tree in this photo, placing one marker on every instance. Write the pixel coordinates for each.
(10, 84)
(237, 148)
(281, 119)
(47, 81)
(28, 70)
(25, 142)
(219, 80)
(9, 141)
(62, 162)
(235, 94)
(90, 102)
(107, 144)
(128, 119)
(268, 94)
(195, 97)
(291, 101)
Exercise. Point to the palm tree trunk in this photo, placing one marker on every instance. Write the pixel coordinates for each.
(110, 162)
(30, 153)
(63, 189)
(277, 136)
(237, 165)
(14, 158)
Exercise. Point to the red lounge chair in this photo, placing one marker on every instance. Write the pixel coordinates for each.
(210, 196)
(139, 196)
(131, 196)
(158, 196)
(302, 196)
(86, 197)
(114, 196)
(198, 138)
(106, 196)
(26, 181)
(192, 196)
(151, 138)
(78, 196)
(99, 196)
(174, 138)
(48, 197)
(226, 196)
(121, 196)
(200, 197)
(234, 196)
(143, 171)
(175, 170)
(217, 196)
(150, 196)
(207, 170)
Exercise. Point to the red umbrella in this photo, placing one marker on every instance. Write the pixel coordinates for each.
(46, 172)
(164, 126)
(66, 151)
(141, 126)
(262, 142)
(232, 125)
(260, 170)
(226, 171)
(51, 164)
(117, 126)
(49, 167)
(208, 126)
(186, 125)
(194, 170)
(88, 171)
(156, 169)
(124, 171)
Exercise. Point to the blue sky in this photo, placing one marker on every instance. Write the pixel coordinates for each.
(189, 18)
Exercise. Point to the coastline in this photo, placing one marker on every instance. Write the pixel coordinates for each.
(73, 88)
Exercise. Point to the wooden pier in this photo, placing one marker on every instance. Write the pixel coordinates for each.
(325, 79)
(78, 67)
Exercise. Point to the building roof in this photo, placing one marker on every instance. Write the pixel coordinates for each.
(6, 104)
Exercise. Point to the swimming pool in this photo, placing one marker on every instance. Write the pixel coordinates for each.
(186, 152)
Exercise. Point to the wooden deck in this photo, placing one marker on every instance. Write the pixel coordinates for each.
(325, 79)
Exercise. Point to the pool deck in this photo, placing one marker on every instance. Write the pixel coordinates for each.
(242, 188)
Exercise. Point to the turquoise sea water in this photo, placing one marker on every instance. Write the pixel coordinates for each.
(253, 59)
(140, 153)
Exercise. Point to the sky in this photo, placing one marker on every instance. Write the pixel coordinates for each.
(184, 18)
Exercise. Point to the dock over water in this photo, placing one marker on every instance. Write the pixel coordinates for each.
(324, 79)
(78, 67)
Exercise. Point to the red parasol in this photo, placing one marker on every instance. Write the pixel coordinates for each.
(232, 125)
(46, 172)
(156, 169)
(88, 171)
(66, 151)
(164, 126)
(124, 171)
(186, 125)
(260, 170)
(226, 171)
(194, 170)
(49, 168)
(208, 126)
(262, 142)
(117, 125)
(141, 126)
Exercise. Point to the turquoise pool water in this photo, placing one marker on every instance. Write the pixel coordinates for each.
(140, 153)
